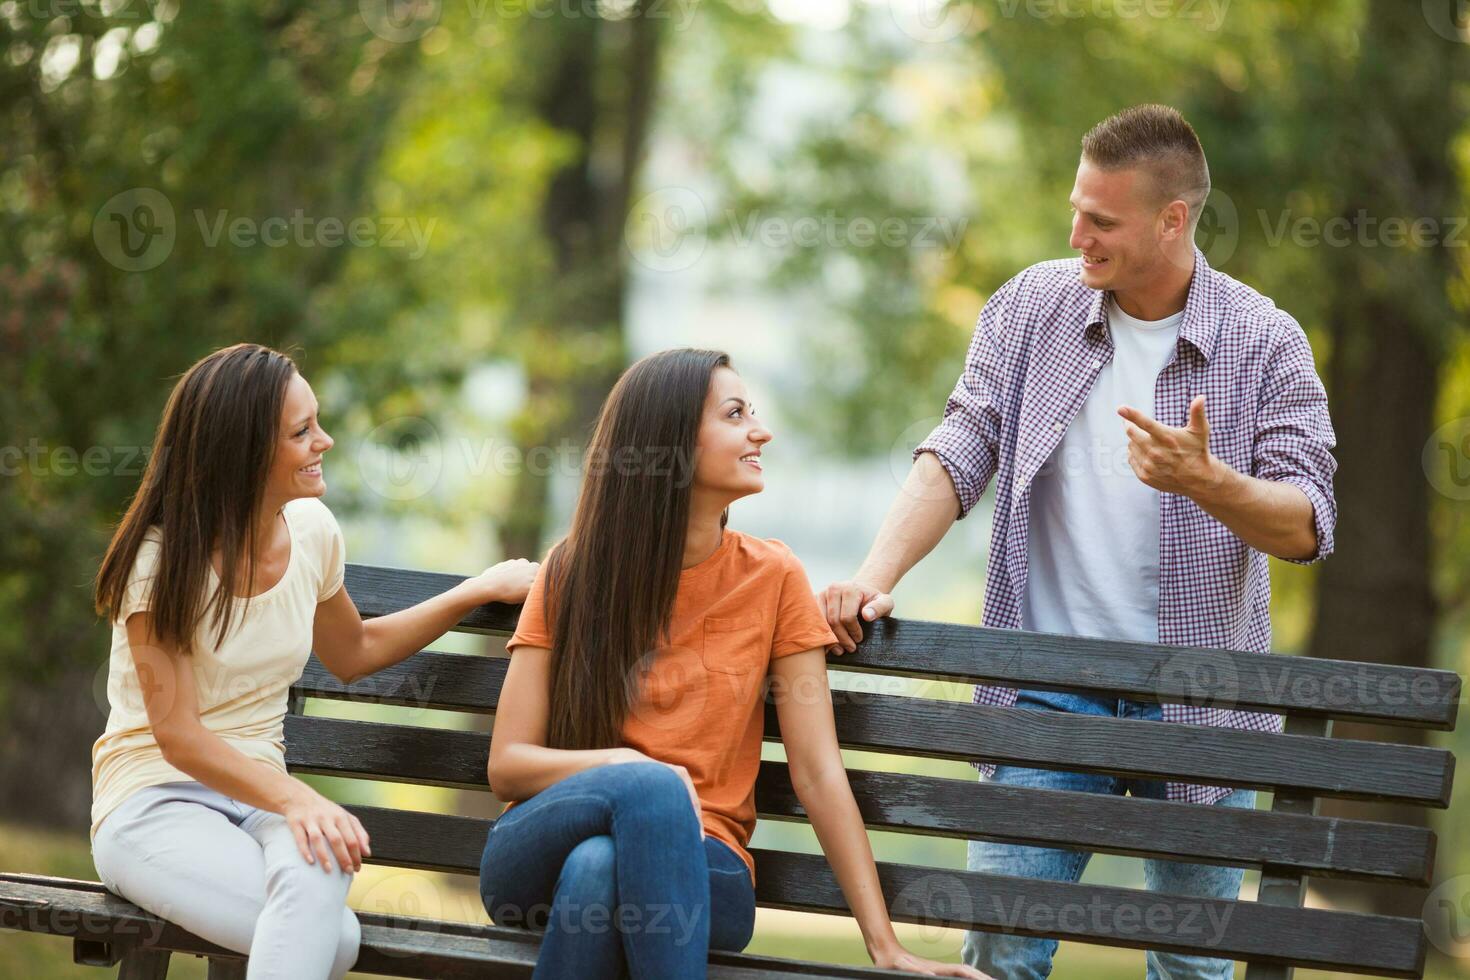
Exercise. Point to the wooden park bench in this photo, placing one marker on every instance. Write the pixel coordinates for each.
(1289, 842)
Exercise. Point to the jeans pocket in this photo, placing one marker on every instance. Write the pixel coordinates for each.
(732, 910)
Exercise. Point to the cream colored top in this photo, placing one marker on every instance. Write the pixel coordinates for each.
(242, 683)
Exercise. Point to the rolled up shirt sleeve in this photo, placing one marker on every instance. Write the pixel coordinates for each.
(1294, 438)
(966, 441)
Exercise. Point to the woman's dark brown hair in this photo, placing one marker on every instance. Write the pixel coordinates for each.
(611, 582)
(202, 488)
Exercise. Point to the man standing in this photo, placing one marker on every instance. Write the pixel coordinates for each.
(1155, 429)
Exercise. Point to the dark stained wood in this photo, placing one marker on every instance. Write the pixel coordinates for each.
(959, 899)
(378, 591)
(144, 964)
(962, 731)
(951, 808)
(392, 945)
(89, 952)
(424, 841)
(1133, 826)
(1387, 694)
(1118, 746)
(1109, 916)
(1287, 887)
(428, 679)
(1274, 935)
(1366, 692)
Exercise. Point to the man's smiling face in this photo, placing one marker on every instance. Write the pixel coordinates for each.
(1119, 225)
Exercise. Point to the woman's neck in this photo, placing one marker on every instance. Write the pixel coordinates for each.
(267, 524)
(705, 533)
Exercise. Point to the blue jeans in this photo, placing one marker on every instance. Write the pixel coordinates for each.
(609, 862)
(1024, 958)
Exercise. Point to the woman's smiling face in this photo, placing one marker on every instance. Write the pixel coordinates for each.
(296, 468)
(728, 449)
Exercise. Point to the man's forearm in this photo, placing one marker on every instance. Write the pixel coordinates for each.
(925, 508)
(1272, 517)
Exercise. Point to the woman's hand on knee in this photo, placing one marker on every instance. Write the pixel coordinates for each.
(322, 829)
(625, 754)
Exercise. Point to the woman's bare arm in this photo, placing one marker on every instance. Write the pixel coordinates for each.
(351, 648)
(521, 765)
(809, 733)
(171, 700)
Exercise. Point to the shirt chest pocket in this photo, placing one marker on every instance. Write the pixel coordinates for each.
(734, 646)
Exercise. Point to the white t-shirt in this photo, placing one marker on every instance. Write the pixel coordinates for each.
(242, 683)
(1093, 539)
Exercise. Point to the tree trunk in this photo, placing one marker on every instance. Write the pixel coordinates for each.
(45, 752)
(599, 90)
(1389, 317)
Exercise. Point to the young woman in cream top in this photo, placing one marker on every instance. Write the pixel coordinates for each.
(224, 575)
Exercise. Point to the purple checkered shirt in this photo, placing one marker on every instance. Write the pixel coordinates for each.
(1038, 347)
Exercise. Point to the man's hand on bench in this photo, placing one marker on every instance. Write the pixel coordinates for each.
(843, 603)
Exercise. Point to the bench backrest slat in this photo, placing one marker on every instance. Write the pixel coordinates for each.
(1380, 693)
(1112, 916)
(935, 806)
(955, 730)
(960, 899)
(885, 716)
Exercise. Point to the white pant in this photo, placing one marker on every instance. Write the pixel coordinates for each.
(231, 874)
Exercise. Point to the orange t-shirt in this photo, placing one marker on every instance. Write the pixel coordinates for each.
(702, 703)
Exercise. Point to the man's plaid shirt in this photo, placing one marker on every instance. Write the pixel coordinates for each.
(1038, 347)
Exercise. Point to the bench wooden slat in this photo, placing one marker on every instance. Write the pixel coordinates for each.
(1388, 694)
(1135, 826)
(945, 807)
(392, 945)
(955, 730)
(377, 591)
(1382, 693)
(1110, 916)
(1320, 846)
(1157, 750)
(1099, 914)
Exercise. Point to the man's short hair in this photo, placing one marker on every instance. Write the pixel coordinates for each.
(1158, 140)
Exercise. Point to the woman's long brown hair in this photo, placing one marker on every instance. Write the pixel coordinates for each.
(611, 582)
(203, 484)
